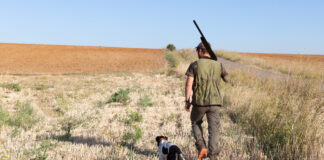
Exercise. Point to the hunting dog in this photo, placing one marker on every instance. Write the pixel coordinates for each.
(168, 150)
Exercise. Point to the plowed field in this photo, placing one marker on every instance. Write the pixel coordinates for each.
(59, 59)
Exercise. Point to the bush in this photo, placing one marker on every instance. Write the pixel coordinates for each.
(120, 96)
(171, 47)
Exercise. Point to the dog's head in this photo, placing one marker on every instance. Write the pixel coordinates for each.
(159, 139)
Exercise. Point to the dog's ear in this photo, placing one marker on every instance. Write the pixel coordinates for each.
(158, 139)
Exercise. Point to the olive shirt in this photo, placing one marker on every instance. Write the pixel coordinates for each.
(193, 71)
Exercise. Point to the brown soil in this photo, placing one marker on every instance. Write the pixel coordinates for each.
(59, 59)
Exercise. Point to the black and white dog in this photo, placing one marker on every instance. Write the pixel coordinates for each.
(168, 150)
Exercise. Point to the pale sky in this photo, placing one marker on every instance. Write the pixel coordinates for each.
(276, 26)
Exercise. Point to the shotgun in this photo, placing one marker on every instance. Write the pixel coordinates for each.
(205, 43)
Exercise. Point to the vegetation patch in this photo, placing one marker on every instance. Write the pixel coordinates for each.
(11, 86)
(145, 101)
(24, 117)
(120, 96)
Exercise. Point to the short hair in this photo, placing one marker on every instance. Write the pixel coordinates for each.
(202, 47)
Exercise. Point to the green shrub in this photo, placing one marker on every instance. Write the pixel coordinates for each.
(171, 47)
(120, 96)
(145, 102)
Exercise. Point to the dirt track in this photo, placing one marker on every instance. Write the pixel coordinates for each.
(59, 59)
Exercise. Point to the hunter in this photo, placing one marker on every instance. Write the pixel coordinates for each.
(203, 77)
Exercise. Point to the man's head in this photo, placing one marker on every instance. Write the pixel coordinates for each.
(202, 51)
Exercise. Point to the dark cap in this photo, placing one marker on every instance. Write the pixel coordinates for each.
(202, 47)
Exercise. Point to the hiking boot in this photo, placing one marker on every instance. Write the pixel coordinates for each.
(202, 154)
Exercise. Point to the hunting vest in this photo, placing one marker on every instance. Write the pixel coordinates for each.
(206, 87)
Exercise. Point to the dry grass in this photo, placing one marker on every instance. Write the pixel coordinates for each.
(53, 59)
(97, 128)
(305, 66)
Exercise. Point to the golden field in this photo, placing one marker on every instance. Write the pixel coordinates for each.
(118, 115)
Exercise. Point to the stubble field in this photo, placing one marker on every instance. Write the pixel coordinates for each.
(117, 115)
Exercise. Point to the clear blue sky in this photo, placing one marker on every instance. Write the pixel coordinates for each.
(279, 26)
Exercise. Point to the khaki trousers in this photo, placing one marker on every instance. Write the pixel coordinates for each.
(213, 118)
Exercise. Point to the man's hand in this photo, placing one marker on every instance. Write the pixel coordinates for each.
(187, 106)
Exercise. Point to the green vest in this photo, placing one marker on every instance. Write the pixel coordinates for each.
(206, 87)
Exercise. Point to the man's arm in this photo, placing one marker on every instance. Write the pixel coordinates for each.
(188, 87)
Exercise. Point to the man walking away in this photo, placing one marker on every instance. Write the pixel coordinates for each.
(203, 77)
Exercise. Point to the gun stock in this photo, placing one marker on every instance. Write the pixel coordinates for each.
(206, 44)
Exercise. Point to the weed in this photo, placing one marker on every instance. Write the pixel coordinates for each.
(67, 125)
(40, 87)
(132, 117)
(132, 135)
(40, 153)
(15, 132)
(145, 102)
(171, 117)
(62, 104)
(24, 117)
(120, 96)
(11, 86)
(4, 116)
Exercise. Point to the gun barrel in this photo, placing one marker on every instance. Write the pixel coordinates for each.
(198, 28)
(204, 41)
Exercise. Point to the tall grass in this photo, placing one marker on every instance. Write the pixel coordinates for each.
(284, 116)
